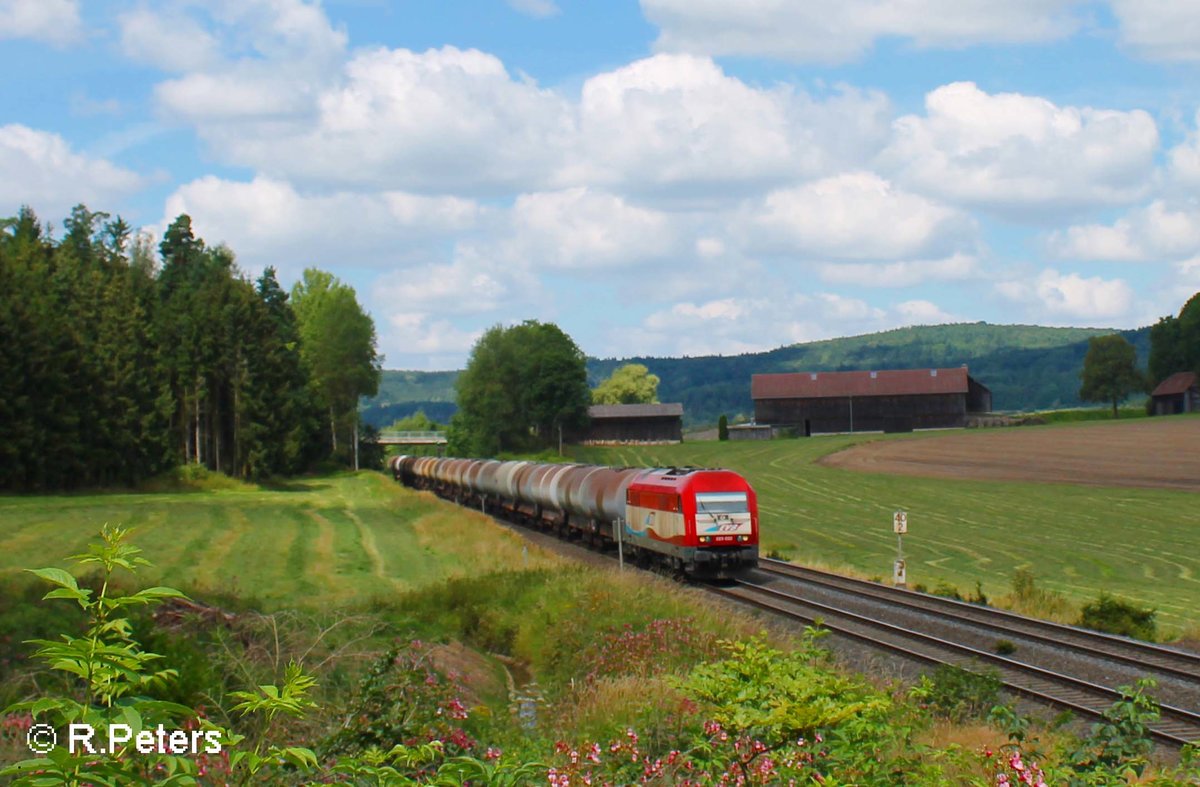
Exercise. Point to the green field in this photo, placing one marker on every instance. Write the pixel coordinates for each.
(1139, 544)
(328, 541)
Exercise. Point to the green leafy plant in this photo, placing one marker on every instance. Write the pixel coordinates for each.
(958, 694)
(1119, 746)
(1115, 616)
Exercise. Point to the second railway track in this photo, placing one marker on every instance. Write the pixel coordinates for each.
(885, 627)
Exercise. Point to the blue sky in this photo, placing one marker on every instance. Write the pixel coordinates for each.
(661, 177)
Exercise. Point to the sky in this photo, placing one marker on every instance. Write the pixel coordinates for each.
(663, 177)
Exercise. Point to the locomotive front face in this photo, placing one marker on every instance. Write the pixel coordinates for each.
(723, 518)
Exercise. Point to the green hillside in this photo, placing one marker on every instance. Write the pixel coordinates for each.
(1027, 367)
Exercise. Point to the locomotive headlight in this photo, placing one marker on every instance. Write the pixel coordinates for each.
(743, 538)
(705, 539)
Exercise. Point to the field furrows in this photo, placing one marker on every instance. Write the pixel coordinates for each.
(934, 643)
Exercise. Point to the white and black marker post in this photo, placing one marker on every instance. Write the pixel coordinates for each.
(900, 527)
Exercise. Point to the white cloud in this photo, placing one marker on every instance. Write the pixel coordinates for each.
(679, 122)
(539, 9)
(840, 30)
(256, 66)
(426, 307)
(268, 222)
(740, 324)
(579, 228)
(1021, 154)
(1054, 296)
(446, 119)
(1159, 231)
(1159, 29)
(854, 216)
(921, 312)
(54, 21)
(1184, 159)
(170, 40)
(419, 341)
(906, 273)
(455, 288)
(39, 168)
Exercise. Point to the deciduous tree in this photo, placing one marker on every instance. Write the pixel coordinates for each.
(521, 386)
(631, 384)
(1110, 371)
(337, 344)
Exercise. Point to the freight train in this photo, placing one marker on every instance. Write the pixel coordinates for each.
(695, 522)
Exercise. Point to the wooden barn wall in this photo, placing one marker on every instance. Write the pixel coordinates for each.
(979, 398)
(870, 413)
(628, 430)
(1172, 404)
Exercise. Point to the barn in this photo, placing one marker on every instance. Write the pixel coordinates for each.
(635, 423)
(1179, 393)
(895, 400)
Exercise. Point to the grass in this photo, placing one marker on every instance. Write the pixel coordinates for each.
(1087, 414)
(1139, 544)
(330, 541)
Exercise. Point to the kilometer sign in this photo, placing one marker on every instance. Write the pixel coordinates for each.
(900, 522)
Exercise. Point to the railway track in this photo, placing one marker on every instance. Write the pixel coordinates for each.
(1177, 726)
(1146, 656)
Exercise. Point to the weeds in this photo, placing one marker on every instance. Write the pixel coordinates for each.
(1115, 616)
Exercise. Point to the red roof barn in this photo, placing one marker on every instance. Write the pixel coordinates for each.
(893, 400)
(1179, 393)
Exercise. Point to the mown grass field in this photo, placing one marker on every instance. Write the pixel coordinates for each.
(1140, 544)
(331, 541)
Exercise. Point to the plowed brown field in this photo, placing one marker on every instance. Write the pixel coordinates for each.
(1153, 452)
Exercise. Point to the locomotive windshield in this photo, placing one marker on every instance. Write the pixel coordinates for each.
(722, 502)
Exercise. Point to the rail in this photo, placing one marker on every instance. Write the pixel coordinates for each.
(1177, 727)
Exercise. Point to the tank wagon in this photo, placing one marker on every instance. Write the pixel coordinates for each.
(699, 522)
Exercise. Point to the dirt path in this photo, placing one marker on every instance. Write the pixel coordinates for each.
(1153, 452)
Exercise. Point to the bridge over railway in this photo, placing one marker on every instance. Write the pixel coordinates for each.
(414, 438)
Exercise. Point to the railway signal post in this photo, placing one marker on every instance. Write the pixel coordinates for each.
(899, 527)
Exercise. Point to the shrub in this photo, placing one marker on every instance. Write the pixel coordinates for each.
(958, 694)
(1004, 647)
(946, 590)
(1029, 599)
(1115, 616)
(723, 427)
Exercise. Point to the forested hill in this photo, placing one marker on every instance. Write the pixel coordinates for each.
(1027, 367)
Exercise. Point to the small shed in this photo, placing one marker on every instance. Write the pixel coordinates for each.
(635, 423)
(1179, 393)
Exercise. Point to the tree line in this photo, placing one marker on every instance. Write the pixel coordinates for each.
(118, 362)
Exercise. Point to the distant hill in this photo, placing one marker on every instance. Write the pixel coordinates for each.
(1027, 367)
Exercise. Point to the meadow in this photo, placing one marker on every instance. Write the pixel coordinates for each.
(319, 542)
(1139, 544)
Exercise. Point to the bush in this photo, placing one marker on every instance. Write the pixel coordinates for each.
(723, 427)
(946, 590)
(1115, 616)
(958, 694)
(1004, 647)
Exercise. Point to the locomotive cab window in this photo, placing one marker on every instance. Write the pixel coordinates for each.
(722, 503)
